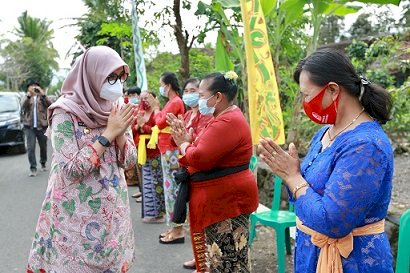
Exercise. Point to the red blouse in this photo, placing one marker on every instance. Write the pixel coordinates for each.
(198, 123)
(175, 106)
(146, 129)
(225, 142)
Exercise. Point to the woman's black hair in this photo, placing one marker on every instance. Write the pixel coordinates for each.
(221, 84)
(171, 78)
(331, 65)
(195, 81)
(134, 90)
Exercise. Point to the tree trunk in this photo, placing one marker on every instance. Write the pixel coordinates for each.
(182, 40)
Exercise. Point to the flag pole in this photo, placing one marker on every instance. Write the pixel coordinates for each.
(138, 53)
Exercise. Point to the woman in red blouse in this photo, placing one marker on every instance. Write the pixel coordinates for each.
(223, 191)
(169, 88)
(153, 206)
(194, 121)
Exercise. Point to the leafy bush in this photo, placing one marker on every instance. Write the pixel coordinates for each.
(357, 50)
(398, 127)
(378, 48)
(380, 76)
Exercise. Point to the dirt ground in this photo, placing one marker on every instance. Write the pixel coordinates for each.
(263, 253)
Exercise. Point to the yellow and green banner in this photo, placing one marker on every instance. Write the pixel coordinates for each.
(264, 107)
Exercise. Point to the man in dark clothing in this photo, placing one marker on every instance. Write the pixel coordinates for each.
(34, 115)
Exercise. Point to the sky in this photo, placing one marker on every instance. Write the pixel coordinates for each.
(62, 12)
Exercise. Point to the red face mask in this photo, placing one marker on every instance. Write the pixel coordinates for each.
(144, 104)
(315, 111)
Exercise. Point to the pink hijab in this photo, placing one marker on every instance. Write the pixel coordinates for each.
(81, 88)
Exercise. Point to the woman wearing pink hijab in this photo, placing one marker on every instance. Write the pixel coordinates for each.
(85, 223)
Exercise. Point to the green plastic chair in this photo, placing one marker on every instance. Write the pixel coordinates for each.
(403, 249)
(253, 163)
(280, 220)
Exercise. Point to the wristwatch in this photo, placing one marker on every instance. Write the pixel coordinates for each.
(104, 141)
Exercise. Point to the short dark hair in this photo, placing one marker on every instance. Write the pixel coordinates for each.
(171, 78)
(331, 65)
(195, 81)
(134, 90)
(220, 84)
(33, 82)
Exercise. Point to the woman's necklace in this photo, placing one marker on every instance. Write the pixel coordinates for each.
(226, 110)
(347, 126)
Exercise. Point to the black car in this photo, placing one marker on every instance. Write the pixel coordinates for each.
(11, 126)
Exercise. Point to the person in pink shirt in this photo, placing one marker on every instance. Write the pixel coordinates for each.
(85, 222)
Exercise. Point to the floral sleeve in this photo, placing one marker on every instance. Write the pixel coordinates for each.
(128, 156)
(353, 187)
(73, 162)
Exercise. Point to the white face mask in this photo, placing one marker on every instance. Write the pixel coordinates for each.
(111, 92)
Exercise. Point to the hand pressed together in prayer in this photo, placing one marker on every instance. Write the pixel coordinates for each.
(178, 130)
(119, 121)
(140, 119)
(282, 163)
(154, 102)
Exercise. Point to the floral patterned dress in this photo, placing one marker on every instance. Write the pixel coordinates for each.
(85, 223)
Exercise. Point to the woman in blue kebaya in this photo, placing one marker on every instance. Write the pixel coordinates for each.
(342, 189)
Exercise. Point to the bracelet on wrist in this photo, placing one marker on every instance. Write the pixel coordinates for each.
(298, 187)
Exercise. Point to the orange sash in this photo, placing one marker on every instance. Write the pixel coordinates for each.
(331, 249)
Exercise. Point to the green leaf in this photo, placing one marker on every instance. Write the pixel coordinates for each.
(58, 142)
(87, 246)
(95, 204)
(394, 2)
(66, 129)
(201, 8)
(230, 3)
(293, 10)
(90, 255)
(222, 60)
(103, 235)
(85, 193)
(69, 206)
(47, 206)
(267, 6)
(340, 10)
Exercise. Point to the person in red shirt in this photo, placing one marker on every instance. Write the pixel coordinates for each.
(169, 87)
(194, 123)
(223, 191)
(153, 206)
(192, 118)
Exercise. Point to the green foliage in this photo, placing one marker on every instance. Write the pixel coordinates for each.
(331, 29)
(31, 57)
(380, 76)
(362, 27)
(381, 63)
(379, 48)
(36, 29)
(399, 126)
(202, 63)
(357, 49)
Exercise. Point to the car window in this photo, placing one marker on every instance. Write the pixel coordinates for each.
(8, 104)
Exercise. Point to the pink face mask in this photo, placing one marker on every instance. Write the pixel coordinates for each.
(315, 111)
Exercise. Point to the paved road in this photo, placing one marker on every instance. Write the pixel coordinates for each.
(20, 202)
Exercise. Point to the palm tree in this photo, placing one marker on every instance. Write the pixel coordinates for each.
(32, 56)
(34, 28)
